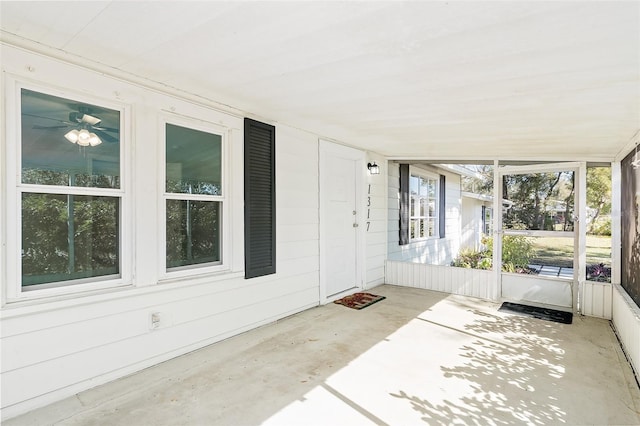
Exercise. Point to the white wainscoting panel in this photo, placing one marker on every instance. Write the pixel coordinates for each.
(448, 279)
(596, 299)
(626, 319)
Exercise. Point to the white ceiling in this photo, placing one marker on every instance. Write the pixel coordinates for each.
(406, 79)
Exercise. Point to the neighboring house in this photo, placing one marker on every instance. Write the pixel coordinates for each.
(477, 216)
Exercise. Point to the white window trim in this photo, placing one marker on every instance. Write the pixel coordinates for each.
(413, 171)
(225, 199)
(13, 291)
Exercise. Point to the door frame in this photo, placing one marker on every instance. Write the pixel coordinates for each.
(325, 149)
(580, 211)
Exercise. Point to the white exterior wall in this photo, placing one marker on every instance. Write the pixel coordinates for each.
(55, 347)
(435, 251)
(626, 320)
(376, 234)
(471, 232)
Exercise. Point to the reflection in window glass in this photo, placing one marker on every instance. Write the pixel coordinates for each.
(193, 161)
(68, 237)
(52, 145)
(193, 232)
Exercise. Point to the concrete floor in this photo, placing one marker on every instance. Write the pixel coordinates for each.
(416, 358)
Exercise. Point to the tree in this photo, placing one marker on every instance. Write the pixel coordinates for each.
(482, 183)
(598, 193)
(536, 197)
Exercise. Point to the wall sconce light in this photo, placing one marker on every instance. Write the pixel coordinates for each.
(374, 169)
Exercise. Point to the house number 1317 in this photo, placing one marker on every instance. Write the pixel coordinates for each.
(368, 207)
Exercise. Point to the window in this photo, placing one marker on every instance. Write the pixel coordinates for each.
(424, 206)
(69, 188)
(487, 220)
(194, 197)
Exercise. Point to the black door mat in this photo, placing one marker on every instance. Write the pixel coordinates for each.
(539, 313)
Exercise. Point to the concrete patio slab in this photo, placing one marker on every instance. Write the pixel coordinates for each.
(418, 357)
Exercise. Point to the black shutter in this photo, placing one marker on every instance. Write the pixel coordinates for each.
(259, 199)
(443, 207)
(404, 204)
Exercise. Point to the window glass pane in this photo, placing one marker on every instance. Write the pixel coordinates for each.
(414, 184)
(488, 220)
(432, 227)
(422, 228)
(432, 208)
(412, 208)
(423, 208)
(424, 186)
(49, 124)
(67, 237)
(193, 232)
(193, 161)
(432, 188)
(412, 229)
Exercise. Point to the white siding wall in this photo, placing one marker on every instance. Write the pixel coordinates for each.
(436, 251)
(376, 234)
(626, 319)
(54, 348)
(471, 233)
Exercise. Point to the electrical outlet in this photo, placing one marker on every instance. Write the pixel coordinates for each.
(155, 320)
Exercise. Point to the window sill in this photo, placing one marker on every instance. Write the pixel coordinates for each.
(421, 240)
(197, 277)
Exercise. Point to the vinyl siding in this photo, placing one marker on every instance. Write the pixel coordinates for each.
(55, 348)
(436, 251)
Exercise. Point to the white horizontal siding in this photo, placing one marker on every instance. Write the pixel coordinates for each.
(436, 251)
(463, 281)
(94, 365)
(55, 348)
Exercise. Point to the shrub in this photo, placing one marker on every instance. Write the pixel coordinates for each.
(517, 251)
(599, 272)
(470, 258)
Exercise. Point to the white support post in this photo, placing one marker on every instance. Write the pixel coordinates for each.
(616, 222)
(497, 231)
(581, 244)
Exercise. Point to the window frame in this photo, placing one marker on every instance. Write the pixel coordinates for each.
(224, 265)
(14, 188)
(423, 174)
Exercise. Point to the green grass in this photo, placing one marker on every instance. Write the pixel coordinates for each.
(559, 251)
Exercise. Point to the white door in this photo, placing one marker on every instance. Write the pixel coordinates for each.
(551, 280)
(339, 220)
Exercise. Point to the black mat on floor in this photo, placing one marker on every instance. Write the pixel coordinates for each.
(536, 312)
